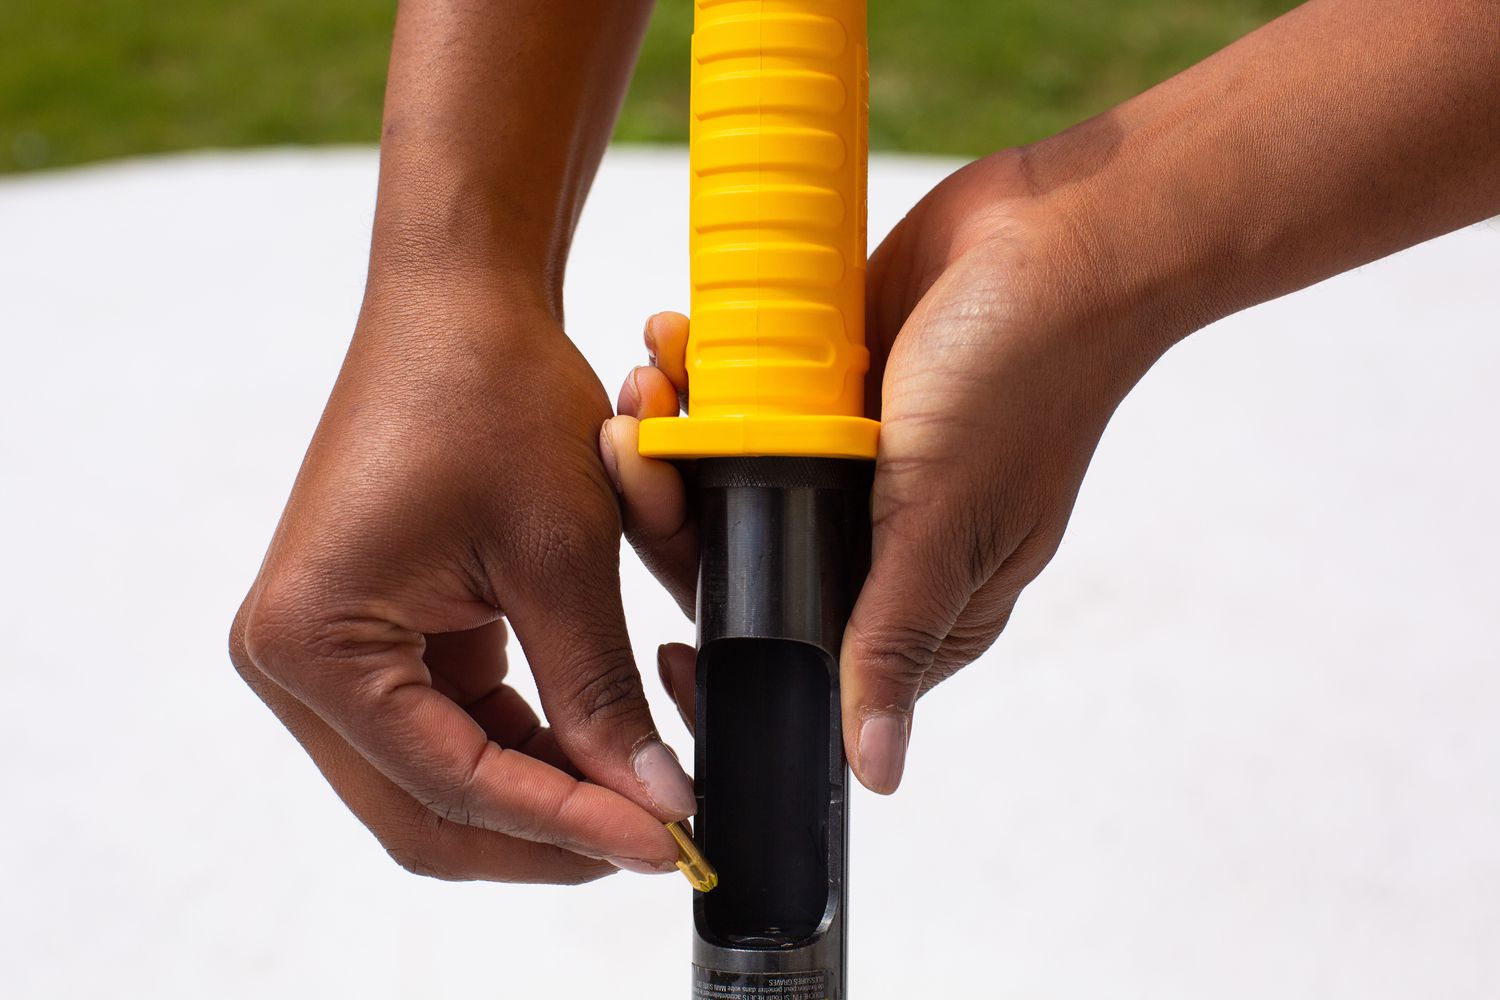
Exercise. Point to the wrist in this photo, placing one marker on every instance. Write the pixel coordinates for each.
(1142, 233)
(452, 226)
(464, 315)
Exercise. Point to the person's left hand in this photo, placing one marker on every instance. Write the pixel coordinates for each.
(997, 359)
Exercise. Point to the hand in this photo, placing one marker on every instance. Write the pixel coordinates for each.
(999, 354)
(454, 479)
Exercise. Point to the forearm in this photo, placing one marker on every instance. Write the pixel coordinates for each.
(496, 116)
(1340, 133)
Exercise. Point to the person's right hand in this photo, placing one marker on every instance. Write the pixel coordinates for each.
(454, 479)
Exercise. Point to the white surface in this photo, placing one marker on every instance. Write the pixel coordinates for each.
(1240, 742)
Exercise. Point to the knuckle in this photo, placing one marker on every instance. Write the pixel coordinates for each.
(958, 652)
(239, 653)
(972, 635)
(538, 830)
(941, 671)
(901, 652)
(1031, 556)
(609, 688)
(462, 805)
(983, 542)
(413, 839)
(410, 837)
(457, 804)
(263, 644)
(987, 614)
(285, 628)
(969, 639)
(450, 808)
(271, 629)
(419, 861)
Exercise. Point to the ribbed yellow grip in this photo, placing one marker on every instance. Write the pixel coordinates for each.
(776, 357)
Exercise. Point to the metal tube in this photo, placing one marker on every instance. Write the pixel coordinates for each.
(785, 545)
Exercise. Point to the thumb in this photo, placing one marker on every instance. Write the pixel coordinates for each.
(906, 608)
(574, 636)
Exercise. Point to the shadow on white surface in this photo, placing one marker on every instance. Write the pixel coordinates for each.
(1240, 741)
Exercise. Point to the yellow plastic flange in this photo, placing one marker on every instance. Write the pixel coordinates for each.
(776, 357)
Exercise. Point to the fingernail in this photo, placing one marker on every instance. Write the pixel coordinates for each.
(651, 341)
(882, 751)
(611, 460)
(633, 387)
(643, 867)
(664, 779)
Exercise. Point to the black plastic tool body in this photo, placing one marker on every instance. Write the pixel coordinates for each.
(785, 546)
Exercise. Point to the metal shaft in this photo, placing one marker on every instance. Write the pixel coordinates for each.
(785, 546)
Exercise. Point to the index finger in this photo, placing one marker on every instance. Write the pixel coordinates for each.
(666, 338)
(366, 679)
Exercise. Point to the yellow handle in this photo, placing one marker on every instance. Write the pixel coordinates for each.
(776, 357)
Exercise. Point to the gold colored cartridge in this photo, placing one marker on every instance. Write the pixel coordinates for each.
(690, 860)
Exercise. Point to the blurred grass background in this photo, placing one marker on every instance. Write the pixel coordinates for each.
(83, 81)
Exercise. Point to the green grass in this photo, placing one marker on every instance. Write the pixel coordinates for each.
(83, 81)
